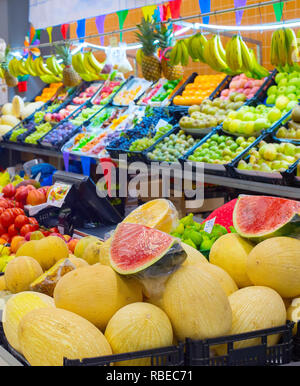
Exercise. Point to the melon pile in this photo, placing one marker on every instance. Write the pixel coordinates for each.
(101, 300)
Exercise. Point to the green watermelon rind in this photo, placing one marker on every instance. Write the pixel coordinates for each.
(289, 228)
(173, 256)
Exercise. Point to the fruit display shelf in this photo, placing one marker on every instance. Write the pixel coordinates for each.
(217, 151)
(292, 174)
(131, 91)
(143, 128)
(106, 94)
(92, 134)
(70, 126)
(290, 130)
(159, 94)
(268, 161)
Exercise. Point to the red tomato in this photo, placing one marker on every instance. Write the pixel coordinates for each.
(12, 231)
(9, 190)
(7, 218)
(21, 194)
(33, 220)
(30, 187)
(54, 230)
(28, 228)
(21, 220)
(2, 229)
(2, 210)
(4, 203)
(6, 237)
(46, 233)
(17, 211)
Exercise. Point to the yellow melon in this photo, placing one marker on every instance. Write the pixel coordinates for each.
(136, 327)
(160, 214)
(193, 256)
(77, 261)
(82, 244)
(96, 293)
(224, 279)
(2, 283)
(293, 313)
(196, 304)
(275, 263)
(48, 335)
(255, 308)
(46, 251)
(21, 272)
(18, 306)
(230, 252)
(104, 252)
(92, 252)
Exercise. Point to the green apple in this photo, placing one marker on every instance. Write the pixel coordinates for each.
(272, 90)
(290, 89)
(274, 115)
(249, 128)
(280, 76)
(283, 82)
(281, 102)
(270, 152)
(291, 105)
(261, 124)
(271, 99)
(249, 117)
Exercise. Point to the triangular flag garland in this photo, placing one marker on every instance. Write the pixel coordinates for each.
(100, 27)
(175, 6)
(205, 8)
(122, 16)
(64, 30)
(239, 14)
(80, 31)
(278, 9)
(148, 11)
(49, 31)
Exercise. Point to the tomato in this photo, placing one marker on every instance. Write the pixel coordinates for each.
(9, 190)
(21, 194)
(18, 211)
(12, 230)
(36, 197)
(33, 220)
(6, 237)
(7, 218)
(21, 220)
(46, 233)
(54, 230)
(4, 203)
(2, 210)
(28, 228)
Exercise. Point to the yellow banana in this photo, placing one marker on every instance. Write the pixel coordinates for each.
(1, 73)
(246, 57)
(291, 45)
(173, 54)
(282, 47)
(220, 48)
(274, 49)
(236, 54)
(87, 65)
(94, 63)
(191, 51)
(43, 67)
(52, 65)
(178, 56)
(12, 68)
(185, 53)
(22, 68)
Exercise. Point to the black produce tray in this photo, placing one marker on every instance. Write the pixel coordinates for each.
(174, 115)
(120, 89)
(291, 178)
(261, 94)
(215, 169)
(198, 353)
(165, 356)
(222, 86)
(277, 178)
(175, 130)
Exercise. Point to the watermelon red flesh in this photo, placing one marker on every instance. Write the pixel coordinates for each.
(135, 247)
(262, 216)
(224, 214)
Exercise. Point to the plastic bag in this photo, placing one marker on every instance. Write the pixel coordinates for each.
(123, 63)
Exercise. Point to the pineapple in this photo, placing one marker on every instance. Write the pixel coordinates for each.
(10, 80)
(70, 76)
(151, 67)
(165, 37)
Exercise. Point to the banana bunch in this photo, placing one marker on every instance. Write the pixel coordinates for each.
(50, 72)
(87, 66)
(196, 45)
(179, 53)
(284, 50)
(241, 59)
(215, 55)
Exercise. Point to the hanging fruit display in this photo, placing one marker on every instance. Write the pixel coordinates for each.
(10, 79)
(70, 76)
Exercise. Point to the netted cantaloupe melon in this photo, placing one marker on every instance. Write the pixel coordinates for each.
(255, 308)
(196, 304)
(230, 252)
(17, 307)
(224, 279)
(20, 272)
(136, 327)
(96, 293)
(48, 335)
(275, 263)
(46, 251)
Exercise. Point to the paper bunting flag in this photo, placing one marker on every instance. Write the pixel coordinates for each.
(80, 31)
(278, 9)
(64, 30)
(239, 14)
(100, 27)
(148, 11)
(122, 16)
(205, 8)
(49, 30)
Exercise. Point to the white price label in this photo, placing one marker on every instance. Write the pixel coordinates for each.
(161, 123)
(209, 225)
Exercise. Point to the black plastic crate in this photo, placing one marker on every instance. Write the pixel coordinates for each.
(261, 94)
(121, 89)
(165, 356)
(210, 168)
(280, 178)
(290, 175)
(200, 353)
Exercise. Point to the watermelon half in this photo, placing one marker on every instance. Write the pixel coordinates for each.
(138, 249)
(260, 217)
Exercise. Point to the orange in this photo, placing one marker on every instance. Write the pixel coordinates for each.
(16, 242)
(72, 244)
